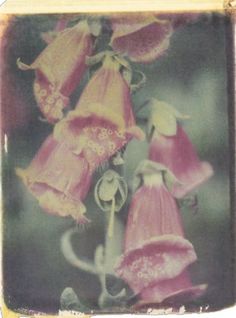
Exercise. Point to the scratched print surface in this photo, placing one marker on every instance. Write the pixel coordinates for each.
(116, 174)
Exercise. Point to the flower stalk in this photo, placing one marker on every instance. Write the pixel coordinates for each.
(72, 258)
(111, 219)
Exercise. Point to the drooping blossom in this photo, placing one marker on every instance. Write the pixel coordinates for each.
(141, 37)
(59, 69)
(156, 253)
(59, 179)
(144, 37)
(171, 146)
(103, 122)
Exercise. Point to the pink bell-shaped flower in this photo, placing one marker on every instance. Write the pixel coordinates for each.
(175, 291)
(103, 120)
(59, 179)
(171, 146)
(102, 123)
(156, 253)
(141, 37)
(59, 69)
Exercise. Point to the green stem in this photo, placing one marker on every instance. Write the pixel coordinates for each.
(74, 259)
(144, 105)
(111, 219)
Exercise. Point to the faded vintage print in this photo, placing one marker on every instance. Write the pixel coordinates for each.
(116, 163)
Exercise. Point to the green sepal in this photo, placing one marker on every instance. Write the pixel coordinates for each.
(108, 188)
(95, 59)
(149, 167)
(163, 117)
(95, 26)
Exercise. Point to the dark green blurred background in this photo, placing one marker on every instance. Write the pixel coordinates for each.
(192, 76)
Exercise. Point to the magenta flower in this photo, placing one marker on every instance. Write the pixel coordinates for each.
(171, 146)
(177, 290)
(179, 155)
(59, 69)
(59, 180)
(103, 121)
(156, 254)
(142, 38)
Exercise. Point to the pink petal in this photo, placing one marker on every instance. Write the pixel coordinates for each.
(160, 258)
(95, 136)
(177, 290)
(156, 210)
(61, 23)
(109, 89)
(50, 101)
(57, 203)
(142, 39)
(178, 154)
(63, 60)
(155, 248)
(103, 119)
(56, 175)
(59, 69)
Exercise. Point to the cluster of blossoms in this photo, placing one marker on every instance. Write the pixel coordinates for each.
(156, 253)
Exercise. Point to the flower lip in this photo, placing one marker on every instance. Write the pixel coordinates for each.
(179, 155)
(168, 255)
(60, 186)
(142, 38)
(101, 112)
(198, 177)
(56, 203)
(164, 241)
(69, 129)
(177, 298)
(189, 294)
(136, 22)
